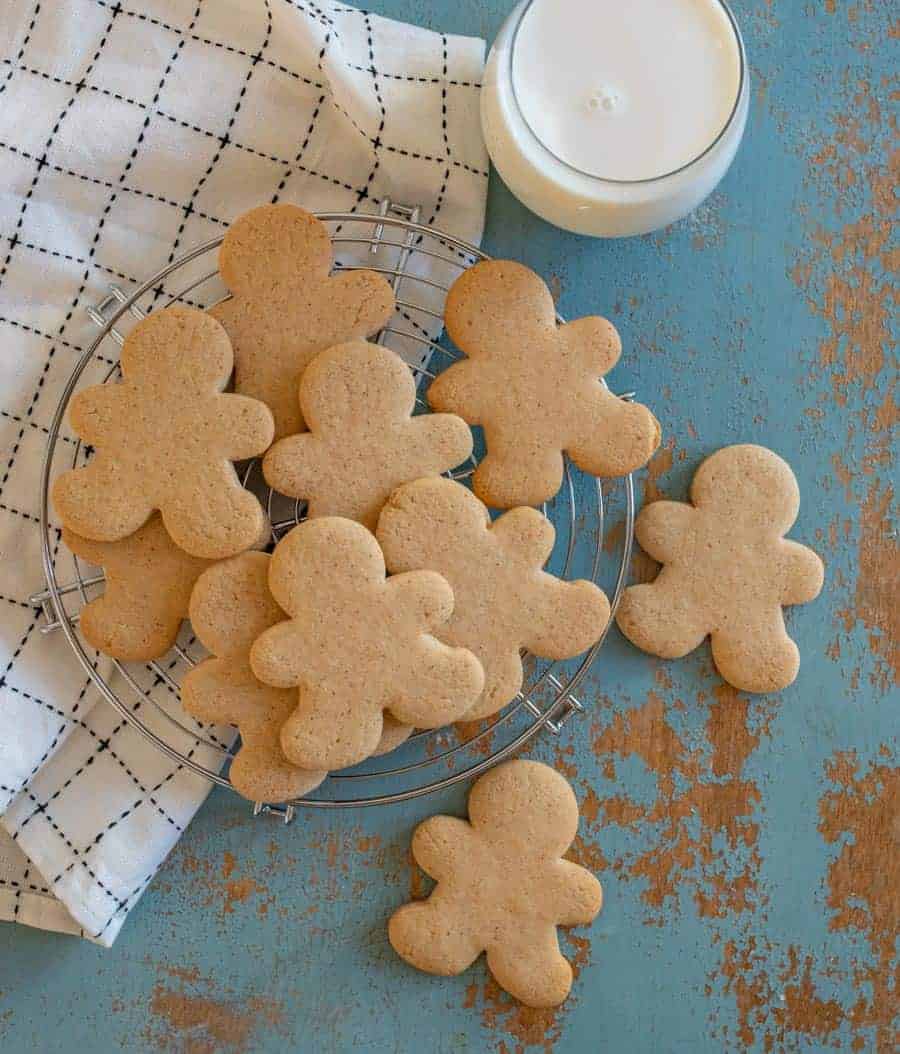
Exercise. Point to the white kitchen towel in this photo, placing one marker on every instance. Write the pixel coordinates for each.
(130, 132)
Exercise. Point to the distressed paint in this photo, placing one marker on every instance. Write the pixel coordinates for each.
(745, 843)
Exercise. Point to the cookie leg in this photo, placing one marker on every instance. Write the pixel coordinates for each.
(212, 515)
(616, 436)
(261, 773)
(328, 731)
(503, 677)
(520, 472)
(758, 657)
(660, 619)
(434, 935)
(529, 965)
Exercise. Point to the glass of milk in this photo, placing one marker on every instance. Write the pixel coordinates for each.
(615, 117)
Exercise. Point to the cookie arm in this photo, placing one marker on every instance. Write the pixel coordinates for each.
(440, 844)
(296, 465)
(804, 573)
(440, 442)
(369, 299)
(661, 528)
(568, 617)
(209, 692)
(459, 390)
(238, 427)
(277, 656)
(97, 412)
(525, 533)
(101, 501)
(576, 894)
(594, 342)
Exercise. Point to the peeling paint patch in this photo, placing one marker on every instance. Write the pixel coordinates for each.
(861, 815)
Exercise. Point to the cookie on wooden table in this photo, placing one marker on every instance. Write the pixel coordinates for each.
(148, 587)
(286, 307)
(503, 885)
(503, 599)
(230, 607)
(535, 388)
(165, 439)
(357, 400)
(727, 570)
(357, 644)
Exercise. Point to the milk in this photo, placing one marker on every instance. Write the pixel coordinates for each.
(615, 117)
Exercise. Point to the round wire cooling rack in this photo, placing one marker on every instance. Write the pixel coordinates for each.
(420, 263)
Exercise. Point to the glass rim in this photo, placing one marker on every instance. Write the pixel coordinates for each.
(646, 181)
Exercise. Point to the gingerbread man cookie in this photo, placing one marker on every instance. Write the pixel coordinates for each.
(148, 587)
(503, 885)
(285, 307)
(229, 608)
(727, 570)
(357, 400)
(165, 439)
(503, 599)
(356, 645)
(535, 388)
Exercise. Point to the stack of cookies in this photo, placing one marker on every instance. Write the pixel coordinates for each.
(398, 603)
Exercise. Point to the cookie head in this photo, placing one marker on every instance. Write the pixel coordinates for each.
(292, 242)
(531, 805)
(748, 484)
(494, 299)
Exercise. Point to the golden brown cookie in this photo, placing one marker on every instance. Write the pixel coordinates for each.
(727, 570)
(503, 885)
(357, 400)
(230, 607)
(503, 599)
(148, 587)
(285, 309)
(165, 439)
(357, 644)
(535, 387)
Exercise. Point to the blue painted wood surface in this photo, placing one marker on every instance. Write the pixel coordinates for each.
(744, 843)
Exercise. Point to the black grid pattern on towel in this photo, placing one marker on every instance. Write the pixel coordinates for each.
(265, 90)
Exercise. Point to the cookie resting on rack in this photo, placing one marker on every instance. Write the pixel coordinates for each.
(286, 307)
(230, 607)
(535, 387)
(363, 442)
(727, 570)
(503, 885)
(146, 594)
(503, 599)
(357, 644)
(165, 439)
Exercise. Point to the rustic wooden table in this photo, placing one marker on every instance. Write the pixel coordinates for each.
(748, 846)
